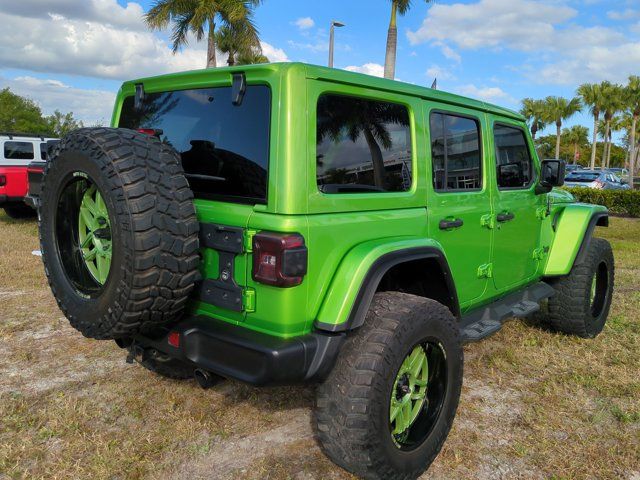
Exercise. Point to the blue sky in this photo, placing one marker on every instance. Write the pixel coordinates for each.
(73, 54)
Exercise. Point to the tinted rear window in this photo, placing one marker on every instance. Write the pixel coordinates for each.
(224, 148)
(362, 146)
(582, 176)
(18, 150)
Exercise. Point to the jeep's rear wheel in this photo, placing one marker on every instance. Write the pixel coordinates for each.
(118, 232)
(388, 405)
(583, 298)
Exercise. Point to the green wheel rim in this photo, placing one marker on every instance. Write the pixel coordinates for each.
(408, 395)
(94, 234)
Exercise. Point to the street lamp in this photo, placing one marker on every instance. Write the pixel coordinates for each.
(334, 24)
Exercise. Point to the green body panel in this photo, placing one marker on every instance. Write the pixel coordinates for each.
(346, 233)
(572, 224)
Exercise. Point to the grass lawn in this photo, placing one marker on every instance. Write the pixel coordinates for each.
(535, 404)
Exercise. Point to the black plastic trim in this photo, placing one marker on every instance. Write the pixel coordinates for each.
(249, 356)
(374, 276)
(600, 219)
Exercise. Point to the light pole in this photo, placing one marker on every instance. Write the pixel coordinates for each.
(331, 35)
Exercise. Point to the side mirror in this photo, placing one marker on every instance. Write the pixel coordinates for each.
(552, 173)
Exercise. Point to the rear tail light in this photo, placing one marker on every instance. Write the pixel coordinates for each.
(174, 339)
(3, 180)
(154, 132)
(279, 259)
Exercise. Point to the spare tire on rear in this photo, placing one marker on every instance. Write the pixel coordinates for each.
(118, 232)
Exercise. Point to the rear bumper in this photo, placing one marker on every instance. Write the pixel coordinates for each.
(249, 356)
(7, 200)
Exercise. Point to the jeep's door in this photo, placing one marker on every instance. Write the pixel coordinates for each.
(518, 217)
(459, 201)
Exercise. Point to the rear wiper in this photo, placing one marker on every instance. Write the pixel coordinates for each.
(198, 176)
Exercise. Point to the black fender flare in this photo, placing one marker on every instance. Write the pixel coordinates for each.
(375, 274)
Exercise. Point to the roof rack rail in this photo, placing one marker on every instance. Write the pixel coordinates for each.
(41, 136)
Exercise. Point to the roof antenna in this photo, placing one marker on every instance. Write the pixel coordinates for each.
(434, 85)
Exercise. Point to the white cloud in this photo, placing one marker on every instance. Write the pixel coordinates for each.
(448, 52)
(489, 94)
(96, 38)
(273, 54)
(628, 14)
(542, 29)
(304, 23)
(90, 106)
(440, 73)
(374, 69)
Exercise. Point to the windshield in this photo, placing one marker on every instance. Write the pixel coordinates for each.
(582, 177)
(224, 147)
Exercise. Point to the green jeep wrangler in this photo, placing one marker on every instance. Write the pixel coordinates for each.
(288, 223)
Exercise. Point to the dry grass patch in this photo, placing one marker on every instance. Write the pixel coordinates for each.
(535, 404)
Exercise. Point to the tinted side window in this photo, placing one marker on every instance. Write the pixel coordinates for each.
(362, 146)
(18, 150)
(455, 152)
(224, 147)
(513, 159)
(43, 151)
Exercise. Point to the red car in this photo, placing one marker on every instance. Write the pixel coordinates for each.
(20, 154)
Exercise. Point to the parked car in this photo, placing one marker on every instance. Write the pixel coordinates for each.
(621, 173)
(281, 224)
(572, 167)
(18, 151)
(599, 179)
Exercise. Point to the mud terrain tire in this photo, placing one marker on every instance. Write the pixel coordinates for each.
(353, 405)
(149, 227)
(581, 304)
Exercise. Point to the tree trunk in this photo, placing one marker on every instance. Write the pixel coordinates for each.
(558, 129)
(379, 173)
(534, 130)
(211, 46)
(632, 162)
(594, 145)
(392, 45)
(609, 148)
(231, 61)
(604, 148)
(575, 154)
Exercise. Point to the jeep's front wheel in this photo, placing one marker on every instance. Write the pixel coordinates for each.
(388, 405)
(583, 298)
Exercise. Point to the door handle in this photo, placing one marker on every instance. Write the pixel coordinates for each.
(505, 217)
(447, 224)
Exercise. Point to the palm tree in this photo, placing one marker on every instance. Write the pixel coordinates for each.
(237, 39)
(576, 136)
(558, 109)
(199, 17)
(533, 111)
(613, 102)
(591, 94)
(633, 105)
(397, 7)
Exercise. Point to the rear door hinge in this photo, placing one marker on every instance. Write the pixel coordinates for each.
(485, 271)
(488, 220)
(248, 240)
(249, 300)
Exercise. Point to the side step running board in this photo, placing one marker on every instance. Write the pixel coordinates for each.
(487, 320)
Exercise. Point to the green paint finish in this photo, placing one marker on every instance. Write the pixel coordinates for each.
(94, 234)
(573, 221)
(408, 393)
(346, 233)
